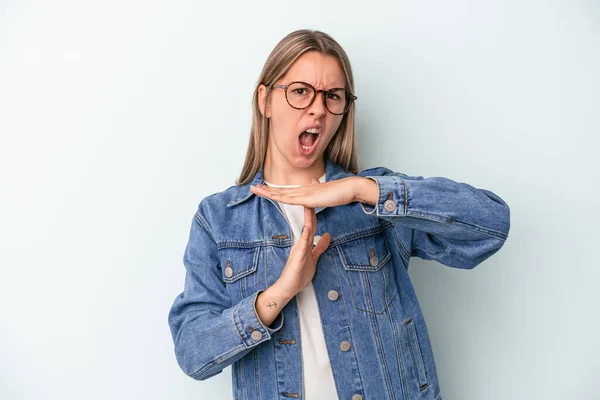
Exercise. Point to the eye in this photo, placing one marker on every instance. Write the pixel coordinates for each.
(333, 96)
(299, 91)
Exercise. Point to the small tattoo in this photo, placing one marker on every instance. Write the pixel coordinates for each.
(272, 304)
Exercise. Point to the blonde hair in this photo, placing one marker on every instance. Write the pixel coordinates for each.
(342, 148)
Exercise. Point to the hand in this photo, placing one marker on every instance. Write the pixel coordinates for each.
(326, 194)
(302, 261)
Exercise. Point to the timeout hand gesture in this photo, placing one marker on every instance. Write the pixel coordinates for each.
(301, 264)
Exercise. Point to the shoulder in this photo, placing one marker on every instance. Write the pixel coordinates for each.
(379, 171)
(213, 206)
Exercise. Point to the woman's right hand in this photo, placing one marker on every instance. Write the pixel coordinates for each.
(302, 261)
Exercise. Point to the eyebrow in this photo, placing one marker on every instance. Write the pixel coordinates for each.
(343, 86)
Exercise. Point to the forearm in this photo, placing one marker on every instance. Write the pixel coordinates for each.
(366, 191)
(438, 205)
(208, 339)
(454, 223)
(270, 303)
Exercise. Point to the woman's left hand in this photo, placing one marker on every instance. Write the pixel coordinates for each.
(326, 194)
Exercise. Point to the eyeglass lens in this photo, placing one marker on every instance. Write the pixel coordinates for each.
(300, 95)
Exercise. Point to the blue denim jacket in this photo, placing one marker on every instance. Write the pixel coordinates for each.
(386, 352)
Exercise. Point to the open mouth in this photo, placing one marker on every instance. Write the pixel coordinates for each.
(308, 140)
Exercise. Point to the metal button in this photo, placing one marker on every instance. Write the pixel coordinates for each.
(389, 205)
(374, 261)
(345, 345)
(228, 272)
(256, 335)
(333, 295)
(357, 397)
(316, 240)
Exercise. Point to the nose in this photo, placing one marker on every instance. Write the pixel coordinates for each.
(317, 108)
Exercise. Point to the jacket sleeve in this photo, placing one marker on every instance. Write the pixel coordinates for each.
(453, 223)
(208, 331)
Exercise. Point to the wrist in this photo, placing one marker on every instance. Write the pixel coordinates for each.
(278, 292)
(367, 191)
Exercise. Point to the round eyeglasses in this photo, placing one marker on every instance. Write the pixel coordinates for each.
(300, 95)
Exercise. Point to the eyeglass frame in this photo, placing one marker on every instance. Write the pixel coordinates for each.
(350, 97)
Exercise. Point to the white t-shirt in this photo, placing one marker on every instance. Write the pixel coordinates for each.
(318, 377)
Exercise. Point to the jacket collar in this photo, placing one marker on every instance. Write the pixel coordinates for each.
(332, 172)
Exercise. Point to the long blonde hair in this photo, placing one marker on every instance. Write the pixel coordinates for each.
(342, 149)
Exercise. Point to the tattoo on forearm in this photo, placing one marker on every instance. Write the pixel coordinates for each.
(272, 304)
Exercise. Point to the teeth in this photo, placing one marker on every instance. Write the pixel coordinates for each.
(312, 130)
(306, 147)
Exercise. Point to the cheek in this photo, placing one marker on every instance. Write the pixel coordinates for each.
(284, 122)
(334, 124)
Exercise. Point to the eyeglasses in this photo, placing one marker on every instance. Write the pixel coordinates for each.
(300, 95)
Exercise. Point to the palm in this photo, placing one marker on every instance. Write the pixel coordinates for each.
(300, 268)
(327, 194)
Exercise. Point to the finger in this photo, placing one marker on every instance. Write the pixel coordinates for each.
(310, 223)
(321, 246)
(276, 189)
(299, 200)
(295, 198)
(313, 216)
(267, 191)
(304, 241)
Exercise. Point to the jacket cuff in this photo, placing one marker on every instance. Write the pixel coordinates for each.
(392, 197)
(249, 326)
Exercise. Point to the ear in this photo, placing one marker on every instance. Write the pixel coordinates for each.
(265, 109)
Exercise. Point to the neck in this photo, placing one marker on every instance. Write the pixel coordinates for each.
(281, 172)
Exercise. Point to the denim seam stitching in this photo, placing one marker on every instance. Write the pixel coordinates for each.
(378, 344)
(202, 222)
(256, 372)
(418, 356)
(244, 384)
(256, 243)
(346, 321)
(451, 221)
(399, 352)
(217, 360)
(405, 255)
(359, 234)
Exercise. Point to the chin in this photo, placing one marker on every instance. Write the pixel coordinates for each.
(302, 162)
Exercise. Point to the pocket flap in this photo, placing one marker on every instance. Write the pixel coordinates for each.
(237, 262)
(367, 253)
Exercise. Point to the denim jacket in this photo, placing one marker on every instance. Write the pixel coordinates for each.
(374, 329)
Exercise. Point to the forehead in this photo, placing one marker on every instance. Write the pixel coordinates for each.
(318, 69)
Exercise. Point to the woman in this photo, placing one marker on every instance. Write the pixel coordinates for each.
(297, 276)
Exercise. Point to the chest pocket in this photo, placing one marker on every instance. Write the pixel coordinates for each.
(367, 262)
(238, 268)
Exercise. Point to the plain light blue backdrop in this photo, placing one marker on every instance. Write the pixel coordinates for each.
(118, 117)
